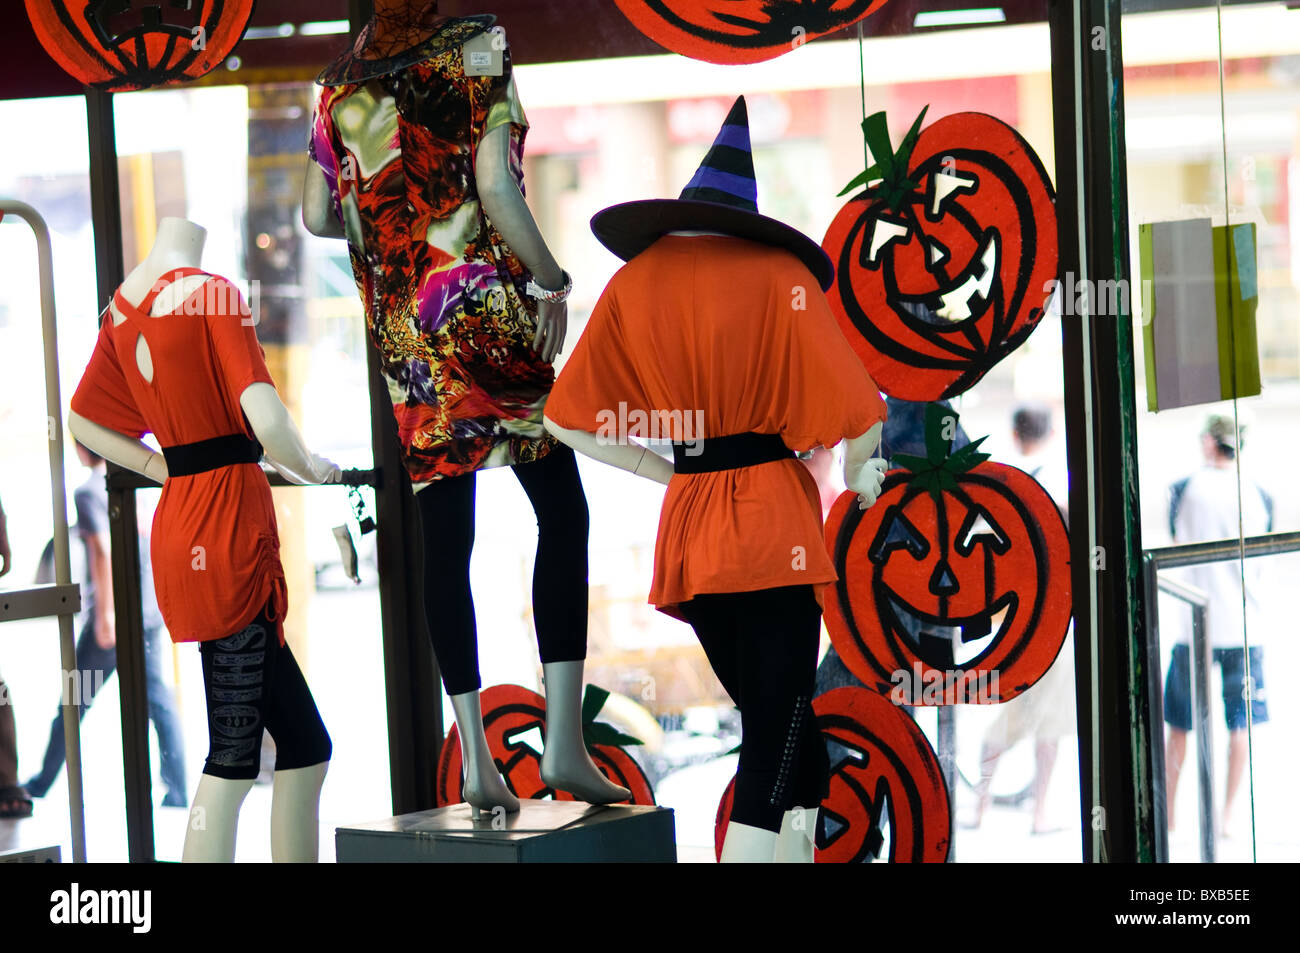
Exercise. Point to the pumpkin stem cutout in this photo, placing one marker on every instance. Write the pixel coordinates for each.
(938, 470)
(600, 732)
(890, 166)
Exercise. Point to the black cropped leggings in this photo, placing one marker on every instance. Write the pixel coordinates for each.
(253, 683)
(763, 648)
(559, 572)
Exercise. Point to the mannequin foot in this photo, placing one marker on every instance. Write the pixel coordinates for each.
(566, 765)
(575, 773)
(488, 793)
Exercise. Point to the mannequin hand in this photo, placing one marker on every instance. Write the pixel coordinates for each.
(156, 468)
(552, 326)
(866, 482)
(323, 472)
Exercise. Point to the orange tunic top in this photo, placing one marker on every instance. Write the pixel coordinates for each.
(215, 545)
(703, 336)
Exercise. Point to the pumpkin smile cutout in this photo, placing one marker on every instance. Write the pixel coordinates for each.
(946, 261)
(514, 720)
(121, 45)
(741, 31)
(954, 586)
(886, 798)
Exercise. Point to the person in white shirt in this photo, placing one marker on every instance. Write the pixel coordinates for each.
(1203, 507)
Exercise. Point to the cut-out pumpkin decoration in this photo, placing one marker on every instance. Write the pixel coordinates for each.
(514, 719)
(954, 587)
(887, 798)
(120, 45)
(741, 31)
(946, 261)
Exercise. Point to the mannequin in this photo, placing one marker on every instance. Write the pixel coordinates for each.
(116, 402)
(495, 279)
(703, 320)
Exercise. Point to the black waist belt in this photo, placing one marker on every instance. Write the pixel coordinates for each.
(187, 459)
(709, 455)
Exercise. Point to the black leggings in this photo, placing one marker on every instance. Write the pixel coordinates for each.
(763, 648)
(252, 682)
(559, 573)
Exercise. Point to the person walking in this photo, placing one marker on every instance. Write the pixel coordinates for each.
(97, 642)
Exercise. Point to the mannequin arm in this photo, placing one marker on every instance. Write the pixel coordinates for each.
(506, 209)
(863, 474)
(630, 456)
(281, 439)
(318, 205)
(121, 449)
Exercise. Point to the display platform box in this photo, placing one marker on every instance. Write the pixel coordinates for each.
(542, 832)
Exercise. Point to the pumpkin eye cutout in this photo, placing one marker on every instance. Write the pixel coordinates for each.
(943, 186)
(897, 532)
(980, 527)
(883, 231)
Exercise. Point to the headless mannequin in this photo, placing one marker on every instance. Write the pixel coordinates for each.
(399, 25)
(862, 474)
(295, 799)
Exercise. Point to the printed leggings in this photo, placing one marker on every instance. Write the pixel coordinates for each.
(763, 648)
(559, 572)
(252, 682)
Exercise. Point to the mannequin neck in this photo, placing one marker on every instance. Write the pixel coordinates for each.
(692, 232)
(178, 244)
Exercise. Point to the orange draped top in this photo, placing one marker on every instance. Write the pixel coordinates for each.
(215, 545)
(703, 336)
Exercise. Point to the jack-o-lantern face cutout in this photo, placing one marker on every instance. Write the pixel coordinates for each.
(741, 31)
(121, 45)
(945, 264)
(887, 799)
(954, 586)
(514, 719)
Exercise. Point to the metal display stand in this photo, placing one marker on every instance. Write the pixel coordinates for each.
(63, 598)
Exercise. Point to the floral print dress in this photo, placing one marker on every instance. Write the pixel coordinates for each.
(443, 293)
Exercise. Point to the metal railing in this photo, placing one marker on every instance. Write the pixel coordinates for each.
(63, 599)
(1174, 557)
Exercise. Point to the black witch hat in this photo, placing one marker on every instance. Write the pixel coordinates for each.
(722, 197)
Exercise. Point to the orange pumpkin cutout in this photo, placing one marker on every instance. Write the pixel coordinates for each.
(514, 719)
(946, 262)
(741, 31)
(955, 585)
(120, 45)
(884, 777)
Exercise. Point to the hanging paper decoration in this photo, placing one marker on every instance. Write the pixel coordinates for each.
(946, 260)
(741, 31)
(121, 45)
(954, 585)
(885, 785)
(514, 719)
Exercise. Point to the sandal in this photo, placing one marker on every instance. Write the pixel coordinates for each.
(15, 803)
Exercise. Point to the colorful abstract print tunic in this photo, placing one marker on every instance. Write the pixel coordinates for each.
(443, 293)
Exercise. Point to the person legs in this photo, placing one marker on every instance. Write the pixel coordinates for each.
(1178, 715)
(1240, 689)
(162, 712)
(95, 666)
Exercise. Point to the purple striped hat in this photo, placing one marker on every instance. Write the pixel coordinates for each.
(721, 197)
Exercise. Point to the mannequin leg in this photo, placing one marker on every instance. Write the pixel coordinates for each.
(295, 814)
(763, 646)
(302, 753)
(214, 817)
(566, 765)
(560, 610)
(748, 845)
(794, 843)
(483, 789)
